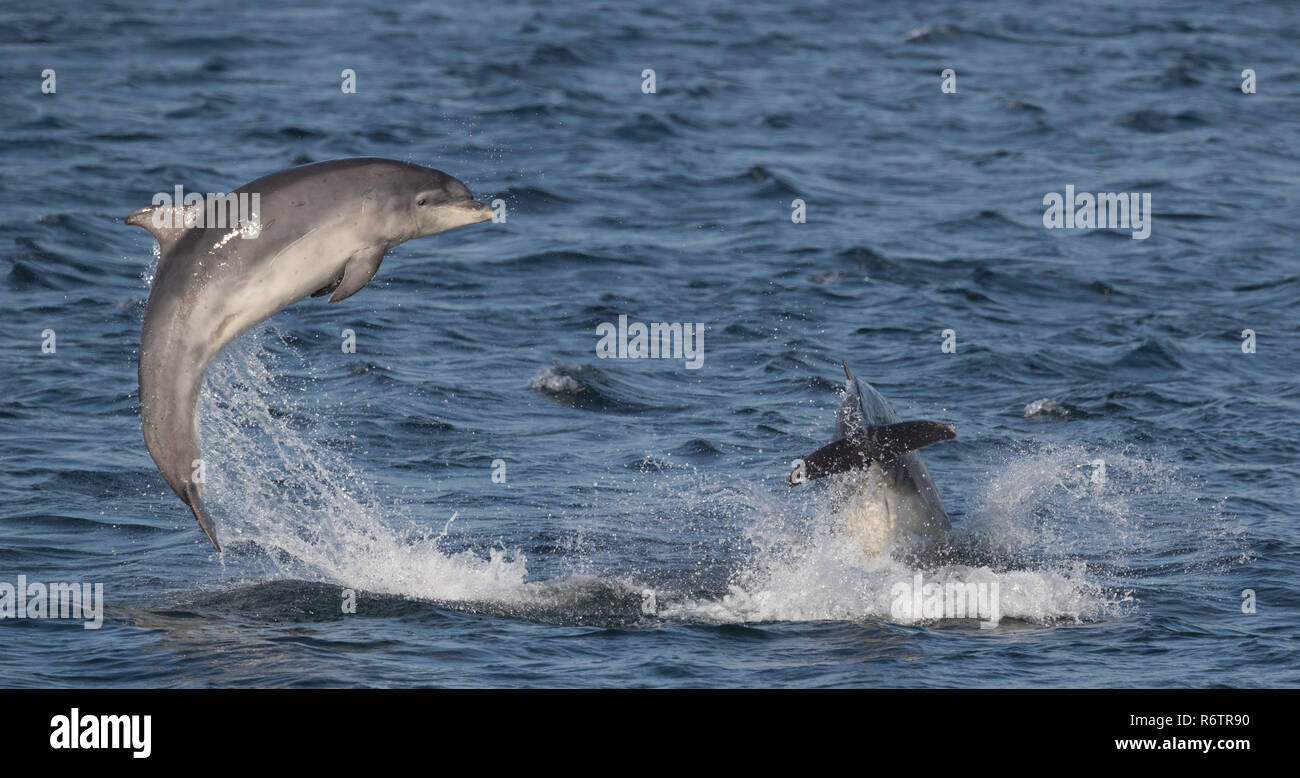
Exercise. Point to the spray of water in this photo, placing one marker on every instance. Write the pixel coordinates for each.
(294, 505)
(1060, 530)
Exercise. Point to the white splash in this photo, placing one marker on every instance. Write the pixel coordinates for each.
(276, 485)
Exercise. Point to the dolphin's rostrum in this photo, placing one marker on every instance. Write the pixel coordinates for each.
(320, 229)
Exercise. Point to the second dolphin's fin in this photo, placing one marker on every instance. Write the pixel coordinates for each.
(874, 444)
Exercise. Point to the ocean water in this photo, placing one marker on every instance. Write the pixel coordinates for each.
(1124, 470)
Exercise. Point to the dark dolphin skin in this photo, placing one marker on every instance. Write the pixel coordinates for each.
(320, 229)
(869, 432)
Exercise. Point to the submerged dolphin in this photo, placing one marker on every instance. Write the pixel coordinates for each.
(317, 229)
(893, 493)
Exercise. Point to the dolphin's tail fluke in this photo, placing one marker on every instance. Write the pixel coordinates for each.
(874, 444)
(200, 513)
(175, 448)
(176, 451)
(171, 378)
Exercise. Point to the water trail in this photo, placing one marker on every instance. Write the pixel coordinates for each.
(292, 503)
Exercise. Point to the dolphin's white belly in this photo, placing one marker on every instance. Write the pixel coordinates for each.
(302, 267)
(299, 269)
(876, 512)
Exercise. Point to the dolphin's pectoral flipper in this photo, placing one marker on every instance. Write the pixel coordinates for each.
(357, 272)
(874, 444)
(326, 289)
(205, 521)
(893, 440)
(838, 457)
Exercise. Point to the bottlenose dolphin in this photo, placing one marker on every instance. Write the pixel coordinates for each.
(318, 229)
(890, 489)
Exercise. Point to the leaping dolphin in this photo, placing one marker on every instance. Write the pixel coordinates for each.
(319, 229)
(894, 493)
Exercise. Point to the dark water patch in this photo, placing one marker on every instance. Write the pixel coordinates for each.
(555, 54)
(778, 121)
(364, 368)
(820, 384)
(1273, 284)
(969, 294)
(1183, 217)
(427, 426)
(293, 132)
(549, 260)
(696, 449)
(22, 277)
(870, 265)
(126, 137)
(292, 602)
(531, 199)
(1181, 74)
(525, 111)
(1158, 122)
(767, 184)
(645, 128)
(1152, 353)
(213, 105)
(1017, 106)
(737, 330)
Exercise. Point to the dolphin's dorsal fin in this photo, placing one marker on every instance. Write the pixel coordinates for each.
(161, 221)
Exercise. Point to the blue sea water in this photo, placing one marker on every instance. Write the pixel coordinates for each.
(626, 480)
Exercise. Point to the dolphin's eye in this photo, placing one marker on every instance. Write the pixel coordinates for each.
(422, 201)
